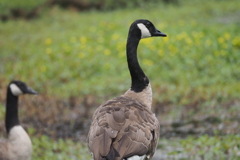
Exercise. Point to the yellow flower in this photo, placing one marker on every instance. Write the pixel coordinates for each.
(220, 40)
(81, 55)
(227, 36)
(166, 39)
(49, 50)
(83, 40)
(115, 36)
(147, 41)
(48, 41)
(147, 62)
(181, 36)
(121, 46)
(236, 41)
(172, 49)
(107, 52)
(188, 41)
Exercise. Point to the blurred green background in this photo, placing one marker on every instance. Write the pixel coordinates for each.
(73, 53)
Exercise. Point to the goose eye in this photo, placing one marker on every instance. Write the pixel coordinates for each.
(148, 25)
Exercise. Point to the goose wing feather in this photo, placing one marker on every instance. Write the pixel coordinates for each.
(122, 128)
(4, 150)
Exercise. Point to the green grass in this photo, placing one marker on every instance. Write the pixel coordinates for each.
(202, 147)
(45, 148)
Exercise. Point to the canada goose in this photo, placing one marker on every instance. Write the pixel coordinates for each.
(124, 128)
(18, 146)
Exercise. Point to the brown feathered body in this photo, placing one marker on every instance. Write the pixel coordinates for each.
(123, 127)
(4, 150)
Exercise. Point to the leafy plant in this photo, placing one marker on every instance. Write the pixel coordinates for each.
(45, 148)
(202, 147)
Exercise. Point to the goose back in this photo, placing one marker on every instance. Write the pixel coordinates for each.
(4, 150)
(123, 127)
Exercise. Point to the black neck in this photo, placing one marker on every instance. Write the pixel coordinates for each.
(139, 79)
(11, 118)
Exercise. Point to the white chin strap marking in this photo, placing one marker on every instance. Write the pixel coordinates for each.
(145, 32)
(15, 90)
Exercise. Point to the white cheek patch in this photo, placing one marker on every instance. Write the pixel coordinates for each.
(15, 90)
(145, 32)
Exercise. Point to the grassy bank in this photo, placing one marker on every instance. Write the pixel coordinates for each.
(197, 60)
(76, 60)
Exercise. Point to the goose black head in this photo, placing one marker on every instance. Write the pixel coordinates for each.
(18, 87)
(145, 29)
